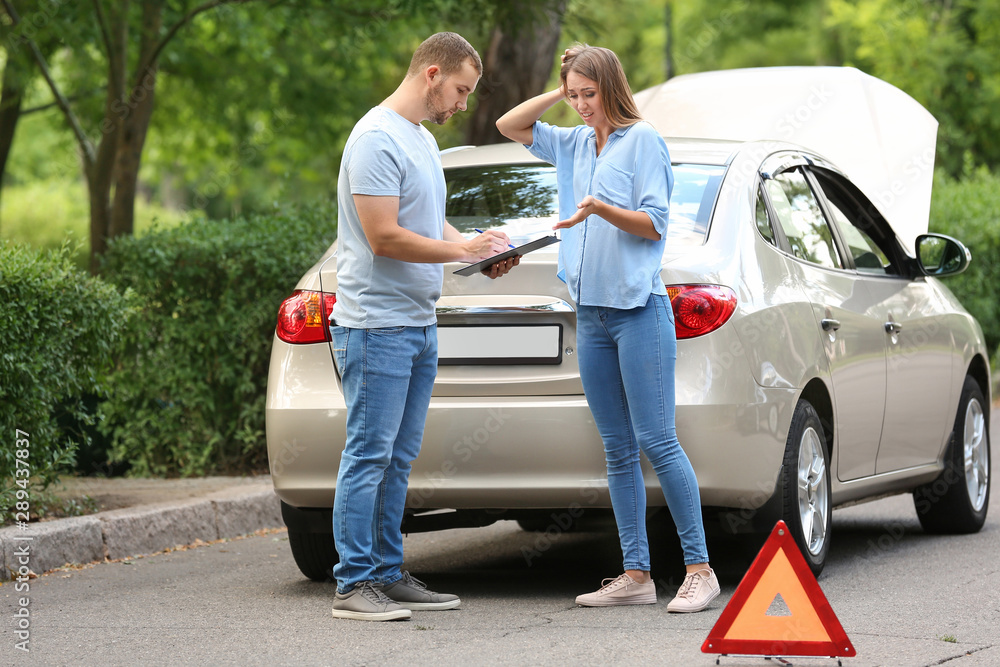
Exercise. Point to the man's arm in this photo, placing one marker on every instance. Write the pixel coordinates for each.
(379, 218)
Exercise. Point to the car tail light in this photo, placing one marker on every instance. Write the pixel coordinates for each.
(700, 309)
(304, 317)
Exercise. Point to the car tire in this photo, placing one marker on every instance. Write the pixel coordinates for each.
(956, 502)
(314, 554)
(310, 537)
(805, 486)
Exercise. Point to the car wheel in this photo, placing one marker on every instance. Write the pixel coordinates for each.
(805, 484)
(956, 502)
(310, 536)
(314, 553)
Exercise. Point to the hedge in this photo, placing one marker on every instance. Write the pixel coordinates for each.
(59, 329)
(188, 396)
(969, 210)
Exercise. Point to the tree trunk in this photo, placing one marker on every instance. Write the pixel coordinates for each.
(517, 66)
(100, 173)
(669, 68)
(135, 126)
(11, 100)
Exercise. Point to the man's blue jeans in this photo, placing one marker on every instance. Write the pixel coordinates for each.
(388, 375)
(627, 360)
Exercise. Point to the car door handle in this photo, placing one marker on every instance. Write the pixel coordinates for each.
(893, 327)
(829, 324)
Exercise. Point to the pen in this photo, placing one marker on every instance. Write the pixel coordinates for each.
(510, 245)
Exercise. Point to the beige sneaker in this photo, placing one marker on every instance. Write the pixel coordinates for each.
(623, 590)
(699, 589)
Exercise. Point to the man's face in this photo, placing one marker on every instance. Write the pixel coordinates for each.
(449, 94)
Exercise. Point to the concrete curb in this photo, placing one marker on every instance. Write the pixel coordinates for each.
(135, 531)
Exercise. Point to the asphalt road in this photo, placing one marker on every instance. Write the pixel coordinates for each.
(903, 597)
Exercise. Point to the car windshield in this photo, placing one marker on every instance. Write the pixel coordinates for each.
(521, 199)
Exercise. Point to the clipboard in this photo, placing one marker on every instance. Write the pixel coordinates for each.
(473, 269)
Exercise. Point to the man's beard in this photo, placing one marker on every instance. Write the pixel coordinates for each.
(434, 104)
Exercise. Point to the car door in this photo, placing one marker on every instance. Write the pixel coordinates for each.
(918, 346)
(846, 314)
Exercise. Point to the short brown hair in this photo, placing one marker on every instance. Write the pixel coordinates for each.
(602, 65)
(448, 50)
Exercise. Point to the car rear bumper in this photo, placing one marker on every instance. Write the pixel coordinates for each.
(508, 452)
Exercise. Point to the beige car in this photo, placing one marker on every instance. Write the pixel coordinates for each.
(819, 363)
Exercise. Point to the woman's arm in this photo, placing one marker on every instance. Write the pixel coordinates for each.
(633, 222)
(516, 124)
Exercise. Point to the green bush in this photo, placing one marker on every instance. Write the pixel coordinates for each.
(65, 215)
(969, 210)
(188, 396)
(59, 329)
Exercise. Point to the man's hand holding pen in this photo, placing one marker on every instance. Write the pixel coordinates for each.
(491, 242)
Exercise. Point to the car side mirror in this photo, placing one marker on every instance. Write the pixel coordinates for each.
(939, 255)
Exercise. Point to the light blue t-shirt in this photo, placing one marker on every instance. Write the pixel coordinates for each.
(388, 156)
(601, 264)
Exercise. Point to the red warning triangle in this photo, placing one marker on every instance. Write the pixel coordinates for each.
(809, 629)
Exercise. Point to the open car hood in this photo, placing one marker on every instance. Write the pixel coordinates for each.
(882, 138)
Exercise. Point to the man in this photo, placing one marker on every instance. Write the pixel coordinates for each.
(392, 240)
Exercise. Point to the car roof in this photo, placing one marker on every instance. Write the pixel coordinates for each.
(683, 150)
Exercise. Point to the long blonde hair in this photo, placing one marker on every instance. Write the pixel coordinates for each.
(602, 65)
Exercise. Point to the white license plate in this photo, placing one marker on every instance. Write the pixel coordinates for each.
(474, 345)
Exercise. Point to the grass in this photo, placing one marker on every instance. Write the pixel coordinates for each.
(47, 213)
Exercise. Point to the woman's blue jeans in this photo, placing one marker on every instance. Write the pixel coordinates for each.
(388, 375)
(627, 360)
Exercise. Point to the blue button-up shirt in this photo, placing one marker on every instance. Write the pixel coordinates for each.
(601, 264)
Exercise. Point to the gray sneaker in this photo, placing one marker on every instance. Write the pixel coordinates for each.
(412, 593)
(367, 602)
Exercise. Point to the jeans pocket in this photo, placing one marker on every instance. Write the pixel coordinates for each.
(338, 335)
(387, 331)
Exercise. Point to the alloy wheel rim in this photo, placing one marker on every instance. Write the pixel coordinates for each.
(814, 499)
(976, 455)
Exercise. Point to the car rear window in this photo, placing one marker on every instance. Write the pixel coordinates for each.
(522, 200)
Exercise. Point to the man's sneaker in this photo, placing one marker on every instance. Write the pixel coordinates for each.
(623, 590)
(412, 593)
(367, 602)
(699, 588)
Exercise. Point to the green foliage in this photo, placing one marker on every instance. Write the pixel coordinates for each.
(968, 210)
(942, 54)
(60, 329)
(188, 395)
(64, 215)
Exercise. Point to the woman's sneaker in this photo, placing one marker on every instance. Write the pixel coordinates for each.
(367, 602)
(623, 590)
(412, 593)
(697, 591)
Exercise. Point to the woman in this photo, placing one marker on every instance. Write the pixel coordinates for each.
(614, 182)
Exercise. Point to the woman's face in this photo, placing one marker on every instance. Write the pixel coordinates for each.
(584, 97)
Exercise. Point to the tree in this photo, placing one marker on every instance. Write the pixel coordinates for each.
(517, 64)
(111, 163)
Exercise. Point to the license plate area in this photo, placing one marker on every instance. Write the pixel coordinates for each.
(492, 345)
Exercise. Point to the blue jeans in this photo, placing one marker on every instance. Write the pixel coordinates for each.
(388, 375)
(627, 360)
